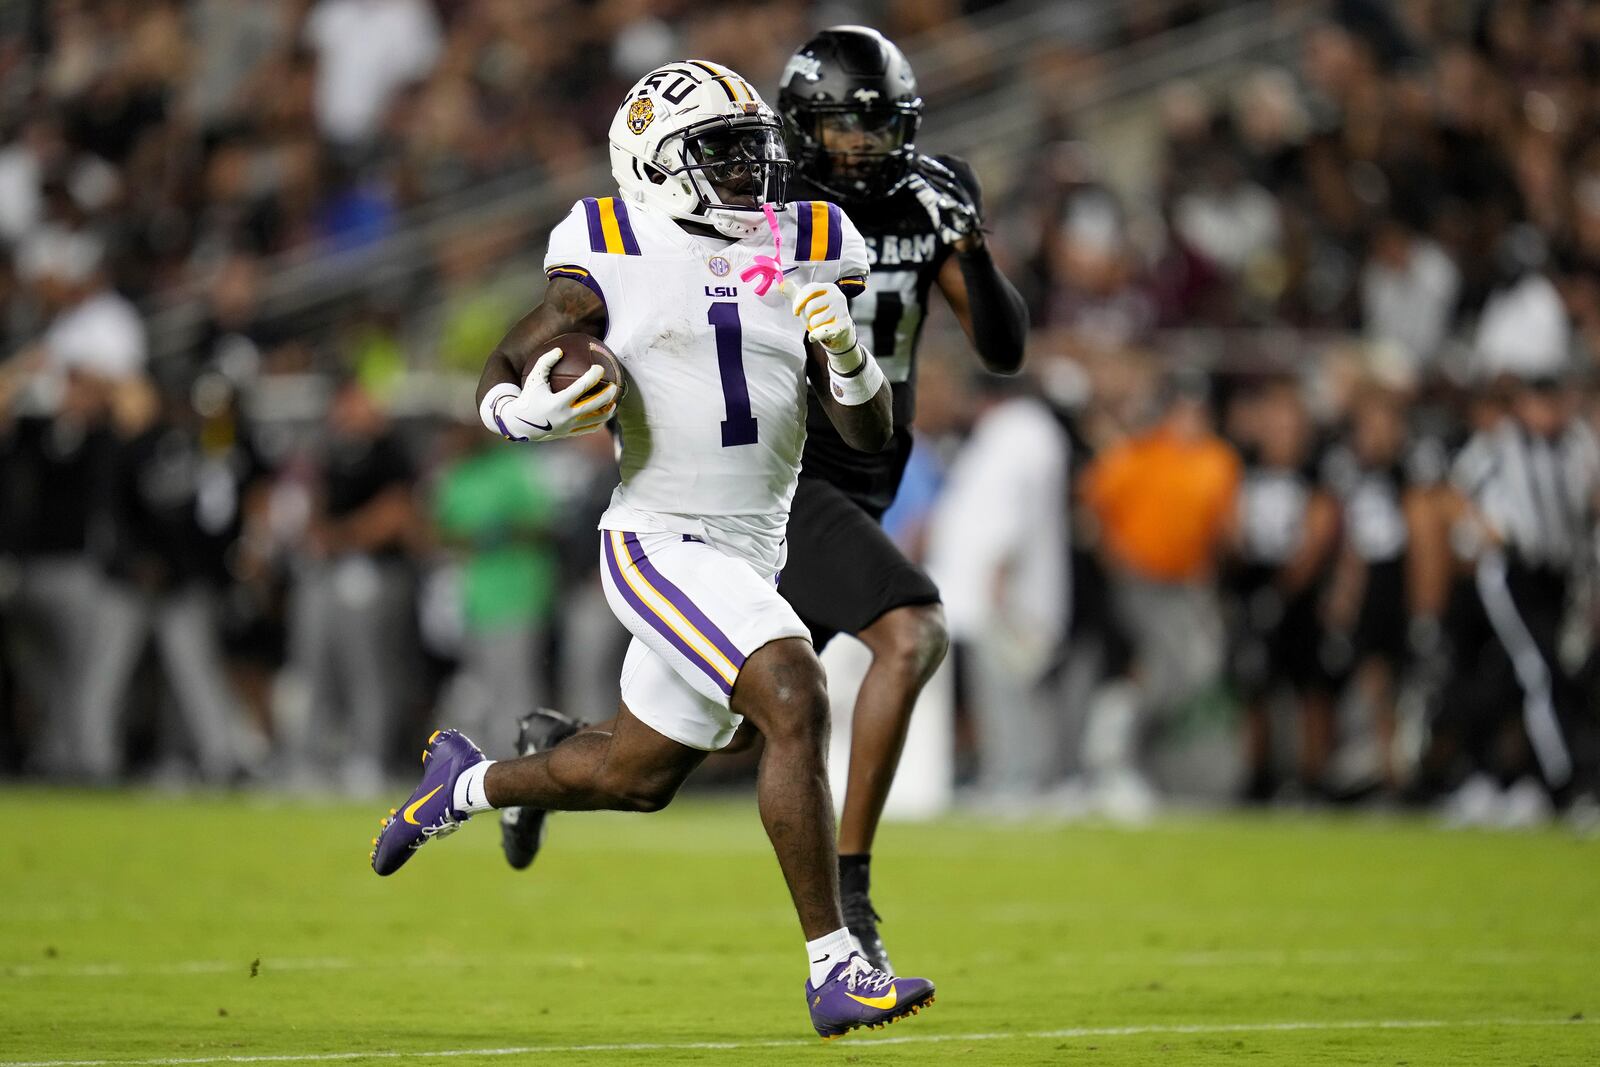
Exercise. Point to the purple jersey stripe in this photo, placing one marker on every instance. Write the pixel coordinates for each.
(677, 599)
(656, 621)
(835, 232)
(578, 274)
(597, 236)
(630, 245)
(802, 235)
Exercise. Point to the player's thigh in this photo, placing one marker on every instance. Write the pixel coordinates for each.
(657, 695)
(784, 692)
(843, 572)
(702, 614)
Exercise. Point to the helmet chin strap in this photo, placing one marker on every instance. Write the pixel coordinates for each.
(733, 223)
(712, 213)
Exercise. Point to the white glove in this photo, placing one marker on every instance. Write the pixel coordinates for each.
(945, 199)
(534, 413)
(826, 314)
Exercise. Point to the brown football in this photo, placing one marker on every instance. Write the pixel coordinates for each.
(579, 352)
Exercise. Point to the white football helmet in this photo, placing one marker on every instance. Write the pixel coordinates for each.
(695, 141)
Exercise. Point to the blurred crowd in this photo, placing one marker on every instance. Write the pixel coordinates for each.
(1425, 174)
(1311, 402)
(1328, 384)
(172, 136)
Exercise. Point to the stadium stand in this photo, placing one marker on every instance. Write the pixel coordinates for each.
(254, 257)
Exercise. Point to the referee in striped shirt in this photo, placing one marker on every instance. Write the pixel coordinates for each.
(1530, 490)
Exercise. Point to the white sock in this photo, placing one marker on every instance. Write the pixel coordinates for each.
(827, 952)
(469, 796)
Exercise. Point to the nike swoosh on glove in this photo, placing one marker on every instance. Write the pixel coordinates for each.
(537, 414)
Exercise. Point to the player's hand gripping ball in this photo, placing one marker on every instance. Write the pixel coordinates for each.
(570, 390)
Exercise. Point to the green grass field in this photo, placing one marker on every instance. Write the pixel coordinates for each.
(144, 929)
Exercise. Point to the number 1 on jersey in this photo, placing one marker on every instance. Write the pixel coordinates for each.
(739, 428)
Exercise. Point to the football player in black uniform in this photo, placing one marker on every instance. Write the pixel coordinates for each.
(851, 111)
(1286, 537)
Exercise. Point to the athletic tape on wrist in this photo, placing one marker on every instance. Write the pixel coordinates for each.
(847, 362)
(855, 389)
(488, 408)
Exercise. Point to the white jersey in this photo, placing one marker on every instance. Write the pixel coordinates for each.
(713, 419)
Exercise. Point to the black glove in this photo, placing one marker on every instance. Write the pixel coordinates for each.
(945, 199)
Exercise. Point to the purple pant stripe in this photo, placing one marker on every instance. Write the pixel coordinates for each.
(657, 622)
(835, 232)
(597, 236)
(678, 600)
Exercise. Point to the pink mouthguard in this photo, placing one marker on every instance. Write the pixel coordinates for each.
(768, 269)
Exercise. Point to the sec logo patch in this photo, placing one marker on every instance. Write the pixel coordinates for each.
(719, 266)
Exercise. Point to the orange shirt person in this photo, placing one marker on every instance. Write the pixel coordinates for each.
(1165, 500)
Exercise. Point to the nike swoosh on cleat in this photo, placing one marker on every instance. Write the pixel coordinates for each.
(820, 958)
(545, 426)
(411, 811)
(888, 1000)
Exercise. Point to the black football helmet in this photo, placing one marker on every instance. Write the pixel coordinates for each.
(850, 113)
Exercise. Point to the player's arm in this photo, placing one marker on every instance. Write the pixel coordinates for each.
(387, 519)
(532, 412)
(1320, 542)
(988, 306)
(847, 380)
(1461, 503)
(865, 427)
(568, 307)
(1427, 565)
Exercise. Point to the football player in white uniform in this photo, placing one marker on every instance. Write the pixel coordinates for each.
(712, 423)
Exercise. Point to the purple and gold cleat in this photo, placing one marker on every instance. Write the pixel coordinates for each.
(431, 810)
(858, 994)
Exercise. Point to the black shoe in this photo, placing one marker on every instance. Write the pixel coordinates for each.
(522, 829)
(862, 921)
(1261, 787)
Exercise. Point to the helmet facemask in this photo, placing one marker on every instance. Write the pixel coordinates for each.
(857, 153)
(735, 165)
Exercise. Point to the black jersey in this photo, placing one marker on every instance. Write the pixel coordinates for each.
(1274, 513)
(1273, 505)
(1373, 497)
(906, 255)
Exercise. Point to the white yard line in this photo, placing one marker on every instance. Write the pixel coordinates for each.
(1310, 957)
(179, 967)
(1362, 957)
(272, 965)
(1199, 1029)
